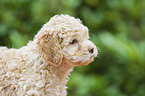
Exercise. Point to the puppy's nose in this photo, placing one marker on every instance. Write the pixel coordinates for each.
(91, 50)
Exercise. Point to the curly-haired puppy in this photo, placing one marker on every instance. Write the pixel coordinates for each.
(42, 67)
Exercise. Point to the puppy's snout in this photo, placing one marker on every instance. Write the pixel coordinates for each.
(91, 50)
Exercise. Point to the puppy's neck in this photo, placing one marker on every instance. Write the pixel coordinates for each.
(63, 70)
(60, 77)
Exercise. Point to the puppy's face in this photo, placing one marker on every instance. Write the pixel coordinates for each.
(77, 49)
(65, 39)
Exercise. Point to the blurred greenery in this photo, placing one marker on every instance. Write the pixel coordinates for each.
(117, 27)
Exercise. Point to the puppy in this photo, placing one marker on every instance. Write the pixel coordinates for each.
(42, 67)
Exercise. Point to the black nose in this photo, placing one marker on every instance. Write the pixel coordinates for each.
(91, 50)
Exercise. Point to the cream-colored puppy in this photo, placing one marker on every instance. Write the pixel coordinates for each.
(42, 67)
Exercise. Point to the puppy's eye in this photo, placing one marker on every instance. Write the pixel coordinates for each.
(73, 41)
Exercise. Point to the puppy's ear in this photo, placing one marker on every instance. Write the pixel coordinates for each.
(49, 48)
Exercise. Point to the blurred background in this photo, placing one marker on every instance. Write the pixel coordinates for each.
(117, 27)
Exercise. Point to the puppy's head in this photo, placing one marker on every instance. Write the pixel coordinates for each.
(65, 39)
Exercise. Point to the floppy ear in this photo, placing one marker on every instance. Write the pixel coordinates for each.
(49, 48)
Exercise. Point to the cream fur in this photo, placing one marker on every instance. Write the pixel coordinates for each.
(28, 71)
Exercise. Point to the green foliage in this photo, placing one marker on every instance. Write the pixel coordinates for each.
(117, 27)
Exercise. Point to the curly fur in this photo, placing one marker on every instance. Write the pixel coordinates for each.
(42, 67)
